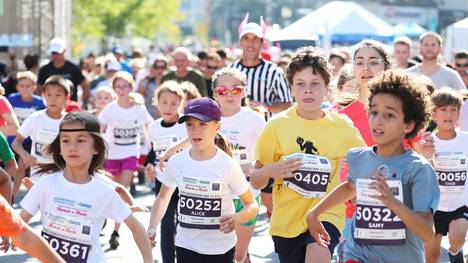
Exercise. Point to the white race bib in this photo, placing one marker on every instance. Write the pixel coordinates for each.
(23, 113)
(199, 202)
(43, 138)
(450, 168)
(126, 132)
(312, 178)
(376, 224)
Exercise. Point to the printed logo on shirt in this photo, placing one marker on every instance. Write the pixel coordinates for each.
(86, 230)
(307, 146)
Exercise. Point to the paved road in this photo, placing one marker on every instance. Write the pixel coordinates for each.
(261, 247)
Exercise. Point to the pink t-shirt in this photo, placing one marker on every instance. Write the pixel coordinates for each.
(5, 107)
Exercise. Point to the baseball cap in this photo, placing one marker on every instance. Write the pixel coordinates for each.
(57, 45)
(204, 109)
(253, 28)
(114, 65)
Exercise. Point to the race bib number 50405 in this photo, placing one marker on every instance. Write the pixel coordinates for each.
(311, 180)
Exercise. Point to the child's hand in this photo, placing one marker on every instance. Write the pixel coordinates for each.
(138, 208)
(285, 168)
(380, 184)
(165, 157)
(150, 172)
(5, 245)
(228, 223)
(152, 235)
(28, 183)
(317, 231)
(29, 160)
(427, 145)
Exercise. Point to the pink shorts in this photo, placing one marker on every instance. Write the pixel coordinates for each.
(115, 167)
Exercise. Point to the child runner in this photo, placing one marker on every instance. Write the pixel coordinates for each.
(242, 127)
(207, 178)
(395, 188)
(300, 149)
(449, 161)
(103, 96)
(191, 92)
(72, 220)
(121, 121)
(42, 126)
(163, 133)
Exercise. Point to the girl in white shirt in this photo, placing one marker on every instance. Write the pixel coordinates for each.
(72, 220)
(207, 179)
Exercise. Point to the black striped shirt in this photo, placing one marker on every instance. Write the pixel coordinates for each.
(265, 83)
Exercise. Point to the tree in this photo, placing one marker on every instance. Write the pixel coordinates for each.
(144, 18)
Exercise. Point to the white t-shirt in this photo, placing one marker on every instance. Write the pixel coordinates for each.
(123, 129)
(206, 189)
(72, 220)
(450, 162)
(162, 137)
(464, 117)
(242, 130)
(442, 77)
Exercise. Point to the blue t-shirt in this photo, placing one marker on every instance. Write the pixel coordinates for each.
(23, 109)
(420, 194)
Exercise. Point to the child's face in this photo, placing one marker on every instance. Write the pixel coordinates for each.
(169, 104)
(446, 117)
(309, 89)
(55, 98)
(386, 120)
(25, 87)
(102, 99)
(201, 134)
(122, 88)
(77, 148)
(229, 92)
(367, 64)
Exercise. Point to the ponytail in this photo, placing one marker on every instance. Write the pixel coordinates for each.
(223, 143)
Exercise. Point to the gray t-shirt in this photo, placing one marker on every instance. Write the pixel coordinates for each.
(443, 77)
(420, 193)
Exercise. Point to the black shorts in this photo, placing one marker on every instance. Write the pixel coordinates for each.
(442, 219)
(294, 249)
(188, 256)
(269, 188)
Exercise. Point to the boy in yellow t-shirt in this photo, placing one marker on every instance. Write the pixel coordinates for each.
(300, 149)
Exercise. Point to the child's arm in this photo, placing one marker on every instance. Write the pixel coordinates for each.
(17, 146)
(419, 223)
(339, 195)
(159, 209)
(181, 145)
(139, 235)
(11, 128)
(279, 170)
(229, 223)
(5, 185)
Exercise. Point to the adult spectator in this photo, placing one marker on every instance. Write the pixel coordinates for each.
(430, 46)
(120, 56)
(181, 60)
(224, 57)
(337, 60)
(112, 67)
(212, 65)
(201, 62)
(59, 65)
(402, 52)
(461, 65)
(267, 88)
(151, 82)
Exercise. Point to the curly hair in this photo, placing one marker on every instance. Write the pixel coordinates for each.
(309, 57)
(413, 95)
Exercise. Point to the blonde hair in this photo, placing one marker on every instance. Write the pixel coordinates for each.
(123, 75)
(107, 89)
(26, 75)
(191, 92)
(137, 98)
(171, 86)
(227, 71)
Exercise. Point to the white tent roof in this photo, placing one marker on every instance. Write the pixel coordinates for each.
(457, 38)
(345, 21)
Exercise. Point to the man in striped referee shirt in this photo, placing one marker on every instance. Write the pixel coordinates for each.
(267, 88)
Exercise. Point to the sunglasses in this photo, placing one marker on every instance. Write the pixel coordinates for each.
(461, 65)
(211, 67)
(235, 90)
(159, 67)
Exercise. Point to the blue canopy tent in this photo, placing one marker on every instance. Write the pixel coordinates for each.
(343, 23)
(409, 29)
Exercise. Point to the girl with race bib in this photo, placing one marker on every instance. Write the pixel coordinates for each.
(121, 121)
(395, 188)
(71, 219)
(207, 179)
(300, 149)
(163, 133)
(449, 159)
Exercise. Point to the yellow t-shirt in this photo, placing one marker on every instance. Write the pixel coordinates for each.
(286, 133)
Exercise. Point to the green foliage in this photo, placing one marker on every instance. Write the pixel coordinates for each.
(144, 18)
